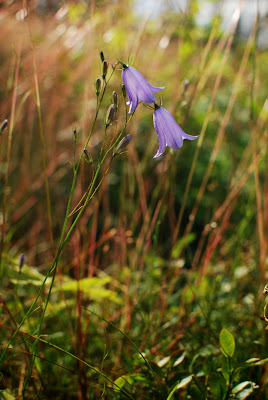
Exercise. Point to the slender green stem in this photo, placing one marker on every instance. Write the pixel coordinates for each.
(9, 143)
(82, 361)
(133, 344)
(61, 241)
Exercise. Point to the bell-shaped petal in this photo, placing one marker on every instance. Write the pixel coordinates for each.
(137, 87)
(168, 131)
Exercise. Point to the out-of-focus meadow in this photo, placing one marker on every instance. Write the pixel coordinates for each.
(158, 290)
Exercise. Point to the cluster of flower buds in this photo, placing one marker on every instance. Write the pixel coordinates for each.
(104, 65)
(112, 110)
(103, 75)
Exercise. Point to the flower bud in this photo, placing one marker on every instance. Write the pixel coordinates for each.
(102, 56)
(104, 69)
(3, 126)
(115, 99)
(97, 86)
(88, 157)
(21, 261)
(186, 84)
(123, 144)
(110, 115)
(75, 133)
(124, 92)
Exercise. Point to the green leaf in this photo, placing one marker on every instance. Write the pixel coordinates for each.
(179, 385)
(141, 379)
(227, 343)
(217, 386)
(180, 359)
(181, 244)
(94, 288)
(225, 367)
(161, 363)
(122, 380)
(198, 390)
(6, 395)
(196, 394)
(252, 360)
(205, 352)
(242, 391)
(238, 388)
(84, 284)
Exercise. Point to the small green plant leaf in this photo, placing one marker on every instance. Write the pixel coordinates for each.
(93, 287)
(217, 386)
(225, 367)
(242, 391)
(196, 394)
(122, 380)
(179, 385)
(227, 343)
(180, 359)
(238, 388)
(6, 395)
(198, 389)
(252, 360)
(181, 244)
(161, 363)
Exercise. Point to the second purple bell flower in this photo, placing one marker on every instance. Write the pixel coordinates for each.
(168, 131)
(137, 87)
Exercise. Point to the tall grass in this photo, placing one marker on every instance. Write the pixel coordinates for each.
(143, 277)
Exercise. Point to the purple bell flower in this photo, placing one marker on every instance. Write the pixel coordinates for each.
(168, 131)
(137, 87)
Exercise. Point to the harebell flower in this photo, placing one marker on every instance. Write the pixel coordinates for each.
(168, 131)
(137, 87)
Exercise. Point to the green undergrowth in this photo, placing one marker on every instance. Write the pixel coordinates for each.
(148, 282)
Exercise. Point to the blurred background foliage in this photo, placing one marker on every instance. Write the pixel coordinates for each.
(169, 264)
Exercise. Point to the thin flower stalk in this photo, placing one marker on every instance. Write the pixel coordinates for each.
(63, 238)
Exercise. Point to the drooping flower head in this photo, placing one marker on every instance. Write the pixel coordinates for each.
(168, 131)
(137, 87)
